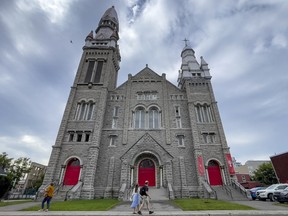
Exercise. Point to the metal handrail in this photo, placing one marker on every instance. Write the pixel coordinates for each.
(227, 190)
(237, 185)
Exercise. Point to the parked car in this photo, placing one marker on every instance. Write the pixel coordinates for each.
(269, 191)
(283, 196)
(254, 190)
(277, 193)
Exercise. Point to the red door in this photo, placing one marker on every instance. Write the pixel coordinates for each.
(146, 171)
(72, 172)
(214, 173)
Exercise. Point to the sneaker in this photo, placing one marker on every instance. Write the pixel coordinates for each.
(46, 210)
(40, 210)
(139, 212)
(151, 212)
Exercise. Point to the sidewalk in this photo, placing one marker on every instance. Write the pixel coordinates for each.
(161, 208)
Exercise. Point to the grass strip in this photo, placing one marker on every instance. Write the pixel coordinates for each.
(208, 204)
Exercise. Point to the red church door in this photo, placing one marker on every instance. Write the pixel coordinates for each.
(146, 171)
(72, 172)
(214, 173)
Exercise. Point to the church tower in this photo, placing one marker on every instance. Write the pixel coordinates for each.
(78, 139)
(145, 129)
(208, 133)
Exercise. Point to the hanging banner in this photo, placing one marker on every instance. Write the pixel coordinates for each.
(230, 164)
(200, 165)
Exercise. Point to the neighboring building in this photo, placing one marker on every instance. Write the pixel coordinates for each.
(244, 178)
(242, 169)
(236, 163)
(36, 173)
(18, 188)
(26, 184)
(280, 164)
(145, 129)
(253, 165)
(2, 171)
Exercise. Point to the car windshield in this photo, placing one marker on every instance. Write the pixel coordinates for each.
(271, 187)
(281, 187)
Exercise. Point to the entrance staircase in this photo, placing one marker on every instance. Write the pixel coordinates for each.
(158, 194)
(228, 193)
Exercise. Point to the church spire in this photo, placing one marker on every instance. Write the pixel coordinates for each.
(190, 68)
(107, 24)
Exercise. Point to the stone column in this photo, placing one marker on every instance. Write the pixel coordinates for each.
(109, 186)
(53, 163)
(165, 114)
(89, 178)
(127, 111)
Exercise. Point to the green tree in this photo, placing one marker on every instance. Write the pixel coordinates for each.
(5, 162)
(15, 169)
(265, 174)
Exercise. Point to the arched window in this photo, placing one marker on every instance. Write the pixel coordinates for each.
(90, 106)
(154, 118)
(84, 110)
(204, 113)
(139, 118)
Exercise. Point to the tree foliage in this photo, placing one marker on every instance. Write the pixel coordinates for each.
(15, 169)
(265, 174)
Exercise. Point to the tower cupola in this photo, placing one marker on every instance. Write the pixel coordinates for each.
(190, 68)
(107, 24)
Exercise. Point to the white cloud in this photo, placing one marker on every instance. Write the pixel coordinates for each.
(55, 9)
(279, 41)
(33, 147)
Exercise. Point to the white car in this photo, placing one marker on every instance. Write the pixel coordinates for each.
(268, 192)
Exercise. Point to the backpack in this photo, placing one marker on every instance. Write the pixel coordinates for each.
(143, 191)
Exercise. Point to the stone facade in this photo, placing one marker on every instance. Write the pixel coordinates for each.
(111, 130)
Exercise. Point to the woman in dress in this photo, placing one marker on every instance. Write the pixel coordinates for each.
(135, 197)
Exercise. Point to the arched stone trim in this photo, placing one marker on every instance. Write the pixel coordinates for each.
(69, 158)
(220, 167)
(138, 158)
(64, 168)
(154, 106)
(139, 106)
(215, 159)
(202, 103)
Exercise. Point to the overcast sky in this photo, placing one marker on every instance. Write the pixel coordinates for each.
(244, 42)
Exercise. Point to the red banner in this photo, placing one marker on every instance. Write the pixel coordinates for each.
(200, 165)
(230, 164)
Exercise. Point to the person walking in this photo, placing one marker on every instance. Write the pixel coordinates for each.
(135, 198)
(49, 192)
(145, 198)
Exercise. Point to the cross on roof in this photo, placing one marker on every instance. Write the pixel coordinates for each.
(186, 44)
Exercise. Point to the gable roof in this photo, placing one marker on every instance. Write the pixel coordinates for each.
(149, 74)
(145, 74)
(147, 143)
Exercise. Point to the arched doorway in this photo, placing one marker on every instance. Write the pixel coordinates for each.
(146, 171)
(214, 173)
(72, 172)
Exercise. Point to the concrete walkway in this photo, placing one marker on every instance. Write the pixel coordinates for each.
(161, 208)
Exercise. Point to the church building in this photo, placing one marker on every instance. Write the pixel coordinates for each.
(111, 138)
